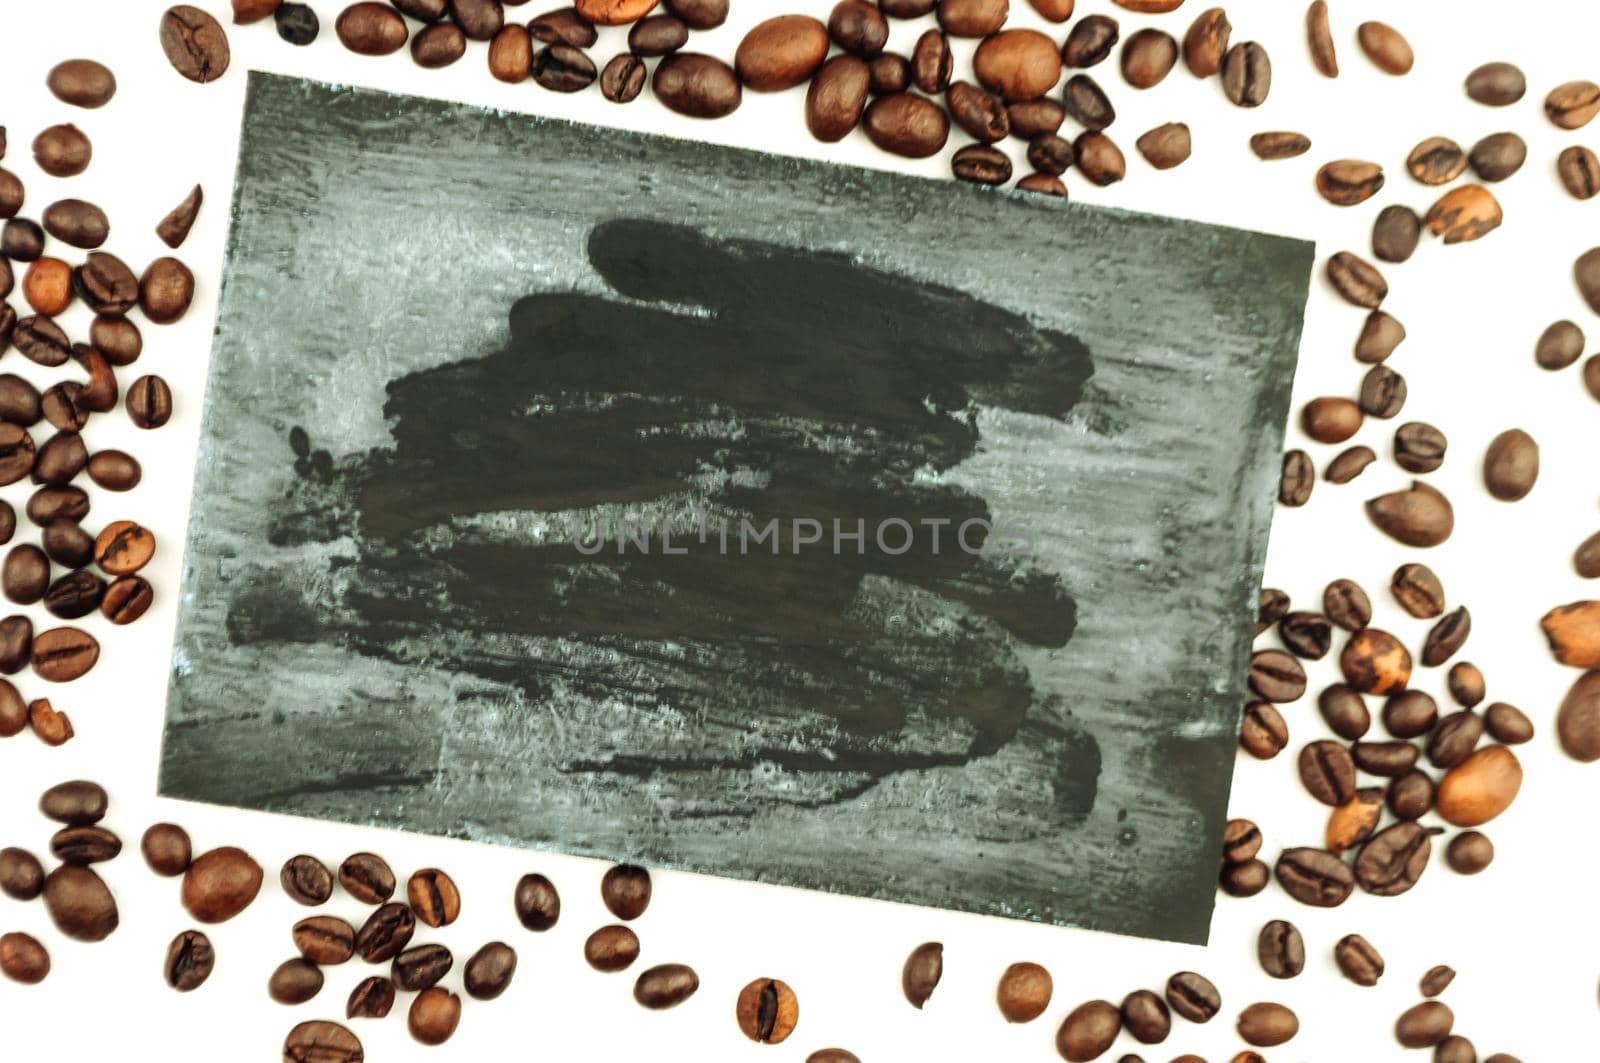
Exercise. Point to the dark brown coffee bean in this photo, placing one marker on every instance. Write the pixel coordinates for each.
(190, 961)
(1358, 960)
(480, 20)
(79, 904)
(562, 68)
(859, 28)
(1380, 335)
(1247, 74)
(1586, 272)
(124, 601)
(1145, 1017)
(767, 1011)
(1263, 733)
(12, 193)
(116, 338)
(1465, 213)
(488, 973)
(1511, 465)
(1241, 841)
(1395, 233)
(1244, 879)
(781, 52)
(979, 112)
(370, 28)
(8, 522)
(537, 903)
(1047, 184)
(1455, 1049)
(434, 897)
(99, 393)
(1148, 57)
(1277, 677)
(325, 940)
(1050, 154)
(19, 401)
(23, 959)
(1410, 714)
(932, 63)
(1356, 280)
(564, 26)
(62, 151)
(174, 228)
(123, 548)
(1193, 997)
(1088, 1031)
(1306, 635)
(1387, 760)
(321, 1042)
(1419, 516)
(1437, 161)
(665, 986)
(1328, 772)
(294, 982)
(367, 878)
(195, 43)
(1273, 607)
(1090, 41)
(1347, 605)
(1099, 159)
(421, 10)
(1279, 145)
(1559, 346)
(1466, 684)
(1498, 156)
(79, 803)
(1088, 104)
(167, 849)
(106, 284)
(220, 884)
(1578, 719)
(75, 595)
(306, 880)
(386, 931)
(68, 544)
(1418, 591)
(1392, 862)
(1507, 724)
(149, 402)
(1424, 1025)
(16, 644)
(421, 967)
(114, 470)
(75, 222)
(908, 125)
(1496, 84)
(920, 975)
(1281, 950)
(21, 874)
(981, 164)
(1315, 877)
(1345, 712)
(622, 79)
(373, 998)
(1165, 146)
(611, 949)
(660, 35)
(1454, 739)
(1469, 853)
(82, 83)
(1267, 1025)
(437, 46)
(625, 890)
(1446, 637)
(1297, 479)
(1579, 171)
(25, 574)
(41, 340)
(1573, 105)
(1348, 182)
(1207, 42)
(888, 73)
(22, 240)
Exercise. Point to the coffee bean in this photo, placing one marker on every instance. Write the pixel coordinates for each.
(421, 10)
(1148, 57)
(979, 113)
(1165, 146)
(1267, 1025)
(325, 940)
(166, 849)
(981, 164)
(434, 1016)
(1348, 182)
(75, 222)
(25, 574)
(932, 63)
(371, 28)
(297, 24)
(421, 967)
(1328, 773)
(196, 44)
(1385, 759)
(1207, 42)
(1455, 1049)
(1354, 821)
(1437, 161)
(99, 393)
(1274, 606)
(1498, 156)
(1099, 159)
(858, 27)
(295, 982)
(1480, 787)
(115, 470)
(1466, 684)
(123, 548)
(1279, 145)
(611, 949)
(12, 193)
(385, 933)
(1380, 335)
(1464, 213)
(367, 878)
(8, 522)
(42, 341)
(1356, 280)
(972, 18)
(888, 73)
(50, 726)
(62, 151)
(1281, 950)
(1088, 104)
(489, 971)
(660, 35)
(85, 845)
(1579, 170)
(1425, 1025)
(480, 20)
(1496, 84)
(19, 401)
(47, 286)
(767, 1011)
(1386, 47)
(1319, 36)
(1050, 154)
(625, 890)
(665, 986)
(1418, 591)
(1088, 1031)
(437, 46)
(1090, 41)
(373, 998)
(248, 11)
(1574, 633)
(1349, 464)
(116, 338)
(1306, 635)
(1241, 840)
(1193, 997)
(781, 52)
(434, 897)
(920, 975)
(22, 240)
(79, 803)
(321, 1042)
(537, 903)
(1347, 604)
(16, 644)
(1345, 712)
(21, 874)
(1586, 271)
(562, 68)
(511, 61)
(1245, 879)
(1315, 877)
(1573, 105)
(1392, 862)
(1395, 233)
(1358, 960)
(564, 26)
(82, 83)
(1447, 637)
(1330, 420)
(1577, 721)
(1055, 11)
(1418, 516)
(106, 284)
(1511, 465)
(1276, 677)
(1436, 980)
(190, 961)
(1247, 74)
(1297, 478)
(1469, 853)
(622, 79)
(908, 125)
(149, 402)
(220, 884)
(79, 904)
(306, 880)
(23, 959)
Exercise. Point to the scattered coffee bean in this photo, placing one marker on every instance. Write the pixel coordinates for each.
(625, 890)
(1496, 84)
(1050, 154)
(1099, 159)
(889, 73)
(1386, 47)
(1454, 1049)
(79, 803)
(1349, 464)
(1498, 156)
(1454, 740)
(1573, 632)
(82, 83)
(386, 932)
(1348, 182)
(167, 849)
(1324, 56)
(20, 406)
(665, 986)
(1315, 877)
(85, 845)
(1396, 233)
(1297, 479)
(1328, 772)
(325, 940)
(511, 61)
(1436, 980)
(1380, 335)
(921, 974)
(480, 20)
(1148, 57)
(1446, 637)
(434, 1016)
(16, 644)
(62, 151)
(1385, 759)
(63, 654)
(367, 878)
(1207, 42)
(47, 286)
(489, 971)
(1464, 213)
(904, 124)
(75, 222)
(322, 1042)
(1437, 161)
(1022, 996)
(1383, 392)
(1241, 841)
(434, 897)
(1358, 960)
(149, 402)
(123, 548)
(1193, 997)
(622, 79)
(437, 46)
(21, 874)
(562, 68)
(1425, 1025)
(537, 903)
(858, 27)
(1088, 1031)
(1410, 714)
(1306, 635)
(1354, 821)
(190, 961)
(563, 26)
(1019, 64)
(1245, 879)
(196, 44)
(1165, 146)
(611, 949)
(1586, 271)
(220, 884)
(115, 470)
(1263, 733)
(1345, 711)
(972, 18)
(23, 959)
(116, 338)
(1088, 104)
(61, 458)
(1466, 684)
(1090, 41)
(1579, 170)
(1559, 346)
(1054, 10)
(1480, 787)
(1356, 280)
(106, 284)
(1418, 591)
(79, 904)
(1145, 1017)
(41, 341)
(371, 28)
(1267, 1025)
(1419, 516)
(1277, 677)
(1469, 852)
(1281, 950)
(932, 63)
(1577, 721)
(373, 998)
(1511, 465)
(767, 1011)
(421, 967)
(1247, 74)
(781, 52)
(980, 164)
(1280, 145)
(297, 24)
(1573, 105)
(1273, 607)
(1391, 863)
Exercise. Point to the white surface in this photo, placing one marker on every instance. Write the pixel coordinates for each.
(1524, 934)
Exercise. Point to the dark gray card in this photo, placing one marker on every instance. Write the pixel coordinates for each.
(634, 497)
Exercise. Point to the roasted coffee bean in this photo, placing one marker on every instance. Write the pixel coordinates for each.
(1354, 821)
(190, 961)
(660, 35)
(1099, 159)
(1469, 853)
(981, 164)
(908, 125)
(1328, 772)
(21, 874)
(325, 940)
(1330, 420)
(1148, 57)
(149, 402)
(1345, 712)
(1054, 10)
(537, 903)
(1410, 714)
(21, 240)
(1165, 146)
(1498, 156)
(99, 393)
(1586, 271)
(1446, 637)
(888, 73)
(1297, 479)
(8, 522)
(220, 884)
(371, 28)
(1419, 516)
(1241, 841)
(1437, 161)
(79, 904)
(434, 1016)
(1247, 74)
(11, 193)
(1023, 994)
(385, 933)
(1496, 84)
(106, 284)
(1455, 1049)
(1306, 635)
(1245, 879)
(85, 845)
(1088, 104)
(421, 967)
(1277, 677)
(489, 971)
(625, 890)
(1281, 950)
(16, 644)
(1385, 759)
(562, 68)
(1386, 47)
(1511, 465)
(62, 151)
(82, 83)
(47, 286)
(1279, 145)
(1047, 184)
(614, 12)
(1418, 591)
(306, 880)
(1315, 877)
(116, 338)
(767, 1011)
(1319, 36)
(564, 26)
(75, 222)
(511, 61)
(1480, 787)
(79, 803)
(1436, 980)
(1559, 346)
(1425, 1025)
(25, 574)
(980, 113)
(1088, 1031)
(437, 46)
(1579, 171)
(920, 975)
(367, 878)
(611, 949)
(434, 897)
(622, 79)
(248, 11)
(1358, 960)
(1396, 233)
(1267, 1025)
(1466, 684)
(1380, 335)
(858, 27)
(1577, 722)
(41, 340)
(321, 1042)
(167, 849)
(295, 982)
(19, 402)
(1348, 182)
(114, 470)
(781, 52)
(1145, 1017)
(665, 986)
(1356, 280)
(480, 20)
(1573, 105)
(123, 548)
(932, 63)
(297, 24)
(1507, 724)
(69, 545)
(1207, 42)
(1017, 64)
(1464, 213)
(1050, 154)
(1273, 607)
(1193, 997)
(196, 44)
(972, 18)
(23, 959)
(373, 998)
(1090, 40)
(1347, 605)
(50, 726)
(1410, 797)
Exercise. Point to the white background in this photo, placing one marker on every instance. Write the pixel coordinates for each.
(1523, 934)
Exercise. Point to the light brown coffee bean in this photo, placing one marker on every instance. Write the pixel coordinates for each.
(1279, 145)
(1573, 105)
(781, 52)
(1383, 392)
(1380, 335)
(1386, 47)
(1479, 788)
(1207, 42)
(1579, 170)
(1165, 146)
(1347, 182)
(1319, 35)
(1356, 280)
(1418, 516)
(1246, 74)
(1465, 213)
(1018, 64)
(1349, 464)
(1099, 159)
(1148, 56)
(1297, 479)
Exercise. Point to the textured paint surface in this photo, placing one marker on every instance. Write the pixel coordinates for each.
(451, 340)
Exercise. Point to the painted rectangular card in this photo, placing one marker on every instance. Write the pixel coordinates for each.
(577, 489)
